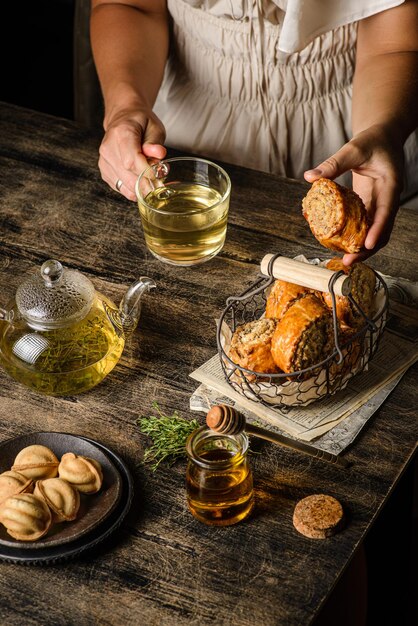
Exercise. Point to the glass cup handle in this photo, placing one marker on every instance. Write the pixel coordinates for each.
(151, 178)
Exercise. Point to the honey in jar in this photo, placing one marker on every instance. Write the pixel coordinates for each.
(218, 480)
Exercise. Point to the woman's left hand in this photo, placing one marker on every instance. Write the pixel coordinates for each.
(376, 160)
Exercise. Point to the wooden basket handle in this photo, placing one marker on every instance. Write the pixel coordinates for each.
(305, 274)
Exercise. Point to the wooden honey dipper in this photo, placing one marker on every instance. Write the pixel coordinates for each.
(226, 420)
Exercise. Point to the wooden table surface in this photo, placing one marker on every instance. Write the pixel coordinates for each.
(162, 566)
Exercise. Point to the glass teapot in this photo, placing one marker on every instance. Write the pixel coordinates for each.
(59, 336)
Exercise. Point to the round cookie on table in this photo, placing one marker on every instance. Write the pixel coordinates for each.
(318, 516)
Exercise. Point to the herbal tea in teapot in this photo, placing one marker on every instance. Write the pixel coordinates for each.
(60, 336)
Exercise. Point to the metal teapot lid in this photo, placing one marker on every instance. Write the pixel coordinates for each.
(55, 296)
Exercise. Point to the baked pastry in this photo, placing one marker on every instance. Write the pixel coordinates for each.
(25, 516)
(336, 215)
(304, 335)
(282, 295)
(83, 473)
(363, 283)
(60, 496)
(12, 483)
(36, 462)
(250, 346)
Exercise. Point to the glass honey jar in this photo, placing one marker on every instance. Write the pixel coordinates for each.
(219, 481)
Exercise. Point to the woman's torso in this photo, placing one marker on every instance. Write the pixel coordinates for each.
(232, 94)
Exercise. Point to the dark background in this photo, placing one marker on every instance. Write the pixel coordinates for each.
(37, 55)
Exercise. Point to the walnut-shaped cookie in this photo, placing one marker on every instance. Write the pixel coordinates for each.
(81, 472)
(25, 516)
(36, 462)
(12, 483)
(60, 496)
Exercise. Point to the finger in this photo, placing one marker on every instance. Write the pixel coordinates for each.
(154, 132)
(379, 231)
(154, 150)
(116, 143)
(385, 207)
(350, 259)
(131, 156)
(386, 203)
(347, 158)
(364, 187)
(111, 177)
(153, 140)
(116, 170)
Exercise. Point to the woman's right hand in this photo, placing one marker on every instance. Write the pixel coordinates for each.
(134, 137)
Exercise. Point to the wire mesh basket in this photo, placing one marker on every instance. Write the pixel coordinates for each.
(325, 378)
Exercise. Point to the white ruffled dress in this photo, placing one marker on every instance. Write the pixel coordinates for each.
(265, 84)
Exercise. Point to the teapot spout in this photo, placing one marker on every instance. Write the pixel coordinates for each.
(130, 306)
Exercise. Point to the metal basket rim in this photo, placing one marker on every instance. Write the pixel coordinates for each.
(266, 281)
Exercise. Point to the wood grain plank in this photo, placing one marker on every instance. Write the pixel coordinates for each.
(162, 566)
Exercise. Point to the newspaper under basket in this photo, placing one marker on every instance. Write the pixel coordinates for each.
(322, 379)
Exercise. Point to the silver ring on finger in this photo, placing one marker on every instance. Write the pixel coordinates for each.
(119, 184)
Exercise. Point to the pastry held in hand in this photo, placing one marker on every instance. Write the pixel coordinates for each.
(282, 295)
(363, 282)
(60, 496)
(250, 346)
(336, 215)
(25, 516)
(36, 462)
(82, 473)
(304, 335)
(12, 483)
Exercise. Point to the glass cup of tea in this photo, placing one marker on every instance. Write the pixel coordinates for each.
(184, 203)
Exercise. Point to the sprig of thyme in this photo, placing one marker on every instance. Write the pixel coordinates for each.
(168, 433)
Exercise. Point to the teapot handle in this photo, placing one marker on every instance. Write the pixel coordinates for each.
(130, 306)
(6, 316)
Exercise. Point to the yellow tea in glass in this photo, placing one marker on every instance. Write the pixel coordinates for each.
(183, 203)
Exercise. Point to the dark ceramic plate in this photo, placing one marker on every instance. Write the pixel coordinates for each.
(93, 509)
(55, 554)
